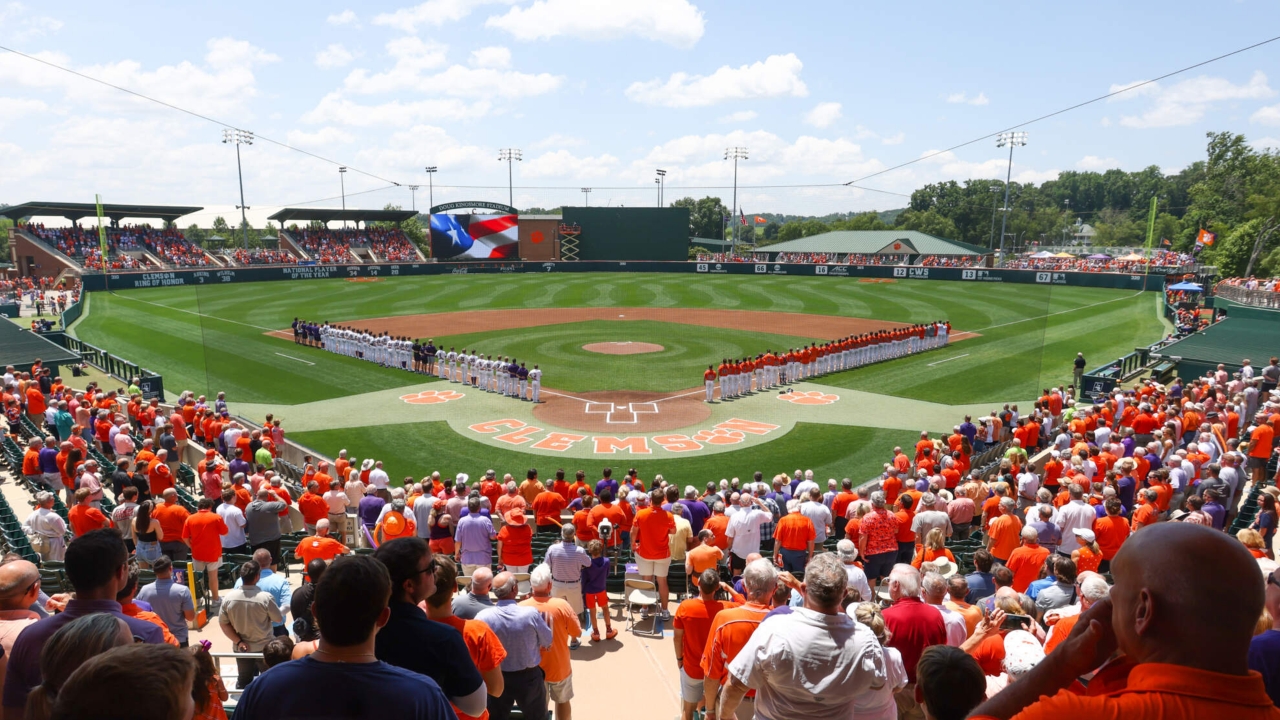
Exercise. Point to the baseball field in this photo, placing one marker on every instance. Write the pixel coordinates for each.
(634, 397)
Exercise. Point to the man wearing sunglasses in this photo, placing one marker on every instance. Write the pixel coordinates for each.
(411, 641)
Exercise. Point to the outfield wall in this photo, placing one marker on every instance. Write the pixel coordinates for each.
(210, 276)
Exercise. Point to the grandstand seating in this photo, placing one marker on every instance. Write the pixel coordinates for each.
(262, 257)
(328, 246)
(127, 245)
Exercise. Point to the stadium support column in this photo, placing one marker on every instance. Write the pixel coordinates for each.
(1012, 139)
(735, 154)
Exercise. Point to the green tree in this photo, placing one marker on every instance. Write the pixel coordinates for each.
(802, 228)
(412, 228)
(696, 250)
(195, 235)
(928, 221)
(706, 216)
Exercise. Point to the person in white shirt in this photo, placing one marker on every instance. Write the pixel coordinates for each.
(123, 514)
(338, 502)
(811, 506)
(1076, 514)
(45, 529)
(879, 704)
(378, 477)
(848, 554)
(743, 529)
(802, 490)
(1028, 484)
(813, 663)
(933, 590)
(235, 540)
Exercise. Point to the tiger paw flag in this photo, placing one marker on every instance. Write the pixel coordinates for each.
(761, 221)
(1205, 238)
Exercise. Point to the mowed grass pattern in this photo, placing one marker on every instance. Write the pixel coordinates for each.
(417, 449)
(210, 338)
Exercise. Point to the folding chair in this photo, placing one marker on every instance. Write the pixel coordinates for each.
(523, 586)
(644, 594)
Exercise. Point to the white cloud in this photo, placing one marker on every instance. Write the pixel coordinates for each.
(491, 57)
(562, 163)
(1186, 102)
(414, 57)
(823, 114)
(462, 81)
(893, 139)
(948, 165)
(1093, 162)
(698, 159)
(963, 99)
(561, 141)
(321, 137)
(223, 85)
(333, 108)
(1269, 115)
(334, 56)
(676, 22)
(346, 17)
(777, 75)
(1266, 143)
(16, 23)
(739, 117)
(433, 13)
(862, 132)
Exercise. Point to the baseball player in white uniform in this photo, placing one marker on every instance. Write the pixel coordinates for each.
(464, 366)
(452, 358)
(535, 381)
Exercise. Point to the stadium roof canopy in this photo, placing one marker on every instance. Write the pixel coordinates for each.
(875, 242)
(20, 347)
(76, 211)
(327, 214)
(712, 244)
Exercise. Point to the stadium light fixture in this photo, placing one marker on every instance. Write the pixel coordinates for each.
(413, 195)
(342, 180)
(1012, 140)
(662, 184)
(735, 154)
(431, 187)
(991, 240)
(586, 197)
(510, 155)
(232, 136)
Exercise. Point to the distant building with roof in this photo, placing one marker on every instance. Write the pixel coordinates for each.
(841, 243)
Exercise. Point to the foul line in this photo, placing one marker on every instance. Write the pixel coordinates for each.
(957, 357)
(584, 400)
(189, 312)
(294, 358)
(1061, 312)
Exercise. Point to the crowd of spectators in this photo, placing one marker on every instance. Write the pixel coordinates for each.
(326, 246)
(330, 246)
(960, 261)
(1253, 283)
(1161, 258)
(263, 257)
(951, 589)
(73, 241)
(82, 243)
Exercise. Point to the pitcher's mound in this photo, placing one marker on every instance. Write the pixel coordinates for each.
(622, 348)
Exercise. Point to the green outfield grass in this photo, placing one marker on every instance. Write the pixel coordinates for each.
(210, 338)
(688, 349)
(417, 449)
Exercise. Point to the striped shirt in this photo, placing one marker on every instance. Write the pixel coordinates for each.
(567, 561)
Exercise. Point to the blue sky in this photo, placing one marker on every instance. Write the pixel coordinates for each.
(602, 93)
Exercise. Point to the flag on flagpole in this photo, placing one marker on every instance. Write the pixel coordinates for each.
(1164, 242)
(761, 221)
(1206, 238)
(742, 216)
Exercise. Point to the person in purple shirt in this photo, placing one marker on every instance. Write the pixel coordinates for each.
(473, 536)
(370, 508)
(607, 483)
(1214, 509)
(696, 510)
(239, 465)
(96, 566)
(49, 456)
(968, 429)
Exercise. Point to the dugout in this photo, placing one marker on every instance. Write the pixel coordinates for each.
(1246, 332)
(20, 348)
(624, 233)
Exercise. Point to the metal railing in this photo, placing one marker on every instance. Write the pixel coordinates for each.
(1267, 299)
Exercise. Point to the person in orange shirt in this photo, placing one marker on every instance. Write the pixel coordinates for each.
(840, 506)
(709, 381)
(1176, 669)
(1146, 513)
(922, 445)
(395, 524)
(793, 537)
(732, 628)
(1026, 561)
(692, 625)
(482, 643)
(560, 485)
(320, 546)
(613, 512)
(83, 517)
(1260, 441)
(892, 484)
(203, 534)
(311, 504)
(718, 523)
(172, 516)
(560, 617)
(1005, 531)
(547, 507)
(651, 541)
(515, 542)
(36, 405)
(530, 488)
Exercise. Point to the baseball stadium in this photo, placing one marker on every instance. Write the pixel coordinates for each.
(908, 422)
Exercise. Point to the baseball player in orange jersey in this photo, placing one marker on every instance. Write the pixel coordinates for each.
(709, 379)
(722, 372)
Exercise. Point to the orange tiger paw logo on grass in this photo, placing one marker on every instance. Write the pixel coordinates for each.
(720, 436)
(809, 397)
(431, 397)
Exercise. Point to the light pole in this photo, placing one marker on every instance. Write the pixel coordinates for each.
(586, 197)
(1066, 202)
(991, 241)
(510, 155)
(413, 190)
(735, 154)
(1012, 139)
(342, 178)
(662, 182)
(238, 138)
(431, 187)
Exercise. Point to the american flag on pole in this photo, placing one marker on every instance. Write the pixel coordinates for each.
(743, 217)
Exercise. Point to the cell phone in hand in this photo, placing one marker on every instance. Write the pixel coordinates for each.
(1015, 622)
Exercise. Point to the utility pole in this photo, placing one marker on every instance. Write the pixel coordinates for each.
(413, 190)
(510, 155)
(586, 197)
(430, 187)
(735, 154)
(237, 138)
(1011, 139)
(342, 179)
(662, 182)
